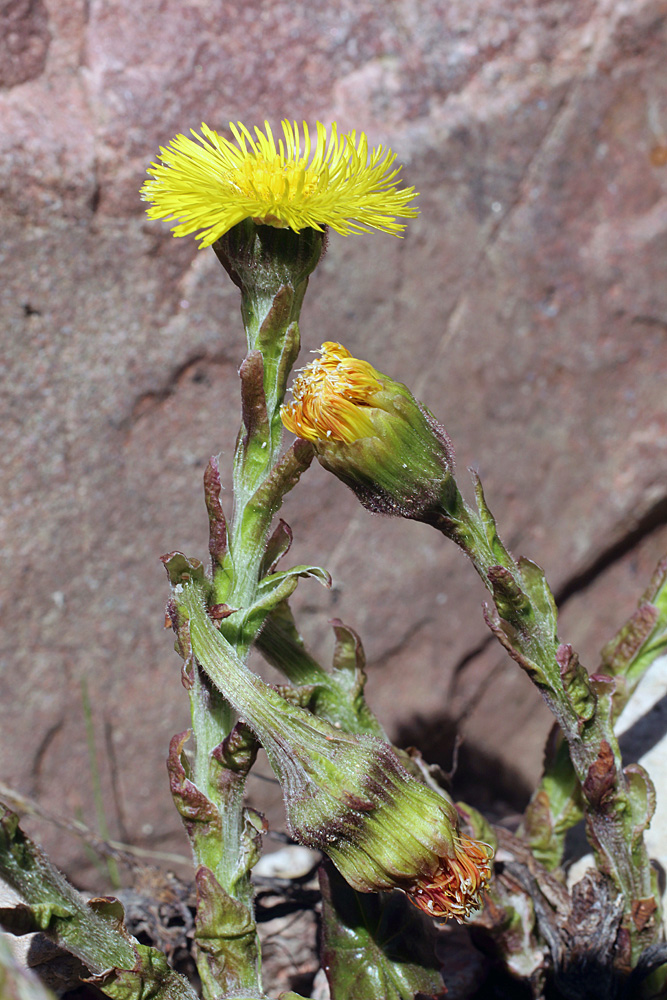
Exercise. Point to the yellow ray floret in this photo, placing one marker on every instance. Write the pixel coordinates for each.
(212, 184)
(329, 397)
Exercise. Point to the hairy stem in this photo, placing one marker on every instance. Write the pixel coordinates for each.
(618, 802)
(92, 931)
(271, 269)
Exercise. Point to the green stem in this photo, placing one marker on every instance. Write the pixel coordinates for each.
(212, 720)
(556, 804)
(618, 802)
(271, 268)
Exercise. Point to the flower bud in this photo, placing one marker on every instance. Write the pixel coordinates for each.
(372, 434)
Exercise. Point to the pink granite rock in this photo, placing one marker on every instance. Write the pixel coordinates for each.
(526, 305)
(24, 41)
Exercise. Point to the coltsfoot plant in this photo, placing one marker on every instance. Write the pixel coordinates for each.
(400, 854)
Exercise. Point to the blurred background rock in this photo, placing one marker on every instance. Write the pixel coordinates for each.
(527, 306)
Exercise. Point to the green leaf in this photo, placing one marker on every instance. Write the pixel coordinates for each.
(375, 946)
(349, 659)
(641, 794)
(488, 523)
(556, 805)
(93, 932)
(277, 546)
(535, 584)
(347, 683)
(274, 581)
(225, 936)
(512, 603)
(146, 981)
(283, 996)
(576, 683)
(272, 590)
(181, 569)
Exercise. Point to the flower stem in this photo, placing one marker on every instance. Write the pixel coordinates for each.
(618, 801)
(271, 269)
(556, 804)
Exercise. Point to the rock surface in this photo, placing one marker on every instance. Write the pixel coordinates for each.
(526, 305)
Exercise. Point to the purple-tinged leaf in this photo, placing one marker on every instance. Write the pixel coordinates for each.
(600, 782)
(193, 805)
(180, 569)
(277, 546)
(217, 525)
(253, 398)
(284, 476)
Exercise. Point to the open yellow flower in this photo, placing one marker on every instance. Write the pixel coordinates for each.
(212, 184)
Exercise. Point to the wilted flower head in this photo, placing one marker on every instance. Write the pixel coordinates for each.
(212, 184)
(348, 795)
(372, 433)
(384, 829)
(455, 888)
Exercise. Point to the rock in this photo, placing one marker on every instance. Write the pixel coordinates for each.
(17, 982)
(526, 306)
(290, 862)
(320, 988)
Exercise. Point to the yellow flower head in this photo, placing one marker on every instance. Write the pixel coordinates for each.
(330, 395)
(212, 184)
